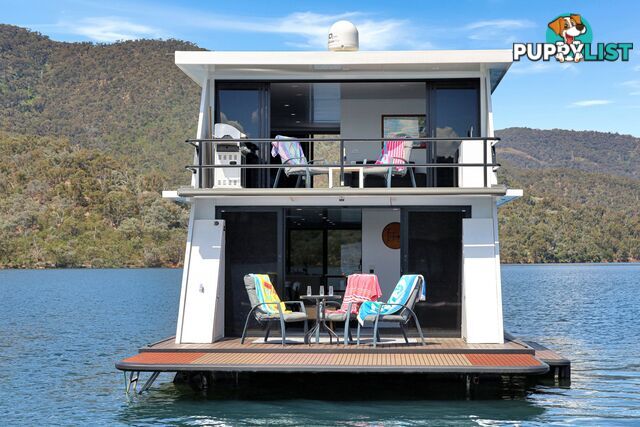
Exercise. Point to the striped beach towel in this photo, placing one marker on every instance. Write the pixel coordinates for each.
(266, 293)
(288, 149)
(400, 295)
(392, 153)
(360, 288)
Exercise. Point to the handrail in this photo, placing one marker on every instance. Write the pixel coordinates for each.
(196, 143)
(264, 140)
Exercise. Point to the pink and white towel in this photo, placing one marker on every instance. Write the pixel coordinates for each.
(360, 288)
(392, 153)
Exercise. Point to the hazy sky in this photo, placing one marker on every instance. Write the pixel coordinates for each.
(592, 96)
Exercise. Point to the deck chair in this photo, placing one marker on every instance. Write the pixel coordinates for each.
(356, 293)
(394, 310)
(291, 155)
(397, 152)
(269, 308)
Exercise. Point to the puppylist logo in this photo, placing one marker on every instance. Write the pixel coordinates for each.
(569, 39)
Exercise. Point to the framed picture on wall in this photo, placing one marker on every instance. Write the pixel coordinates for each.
(404, 126)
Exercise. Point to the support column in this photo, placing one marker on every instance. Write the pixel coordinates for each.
(201, 312)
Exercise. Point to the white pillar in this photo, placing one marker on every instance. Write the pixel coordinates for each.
(481, 288)
(201, 311)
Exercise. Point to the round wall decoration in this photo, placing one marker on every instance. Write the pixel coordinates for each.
(391, 235)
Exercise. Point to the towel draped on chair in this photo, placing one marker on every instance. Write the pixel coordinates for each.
(266, 293)
(288, 149)
(392, 153)
(360, 288)
(400, 295)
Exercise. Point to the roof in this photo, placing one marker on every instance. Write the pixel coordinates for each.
(358, 65)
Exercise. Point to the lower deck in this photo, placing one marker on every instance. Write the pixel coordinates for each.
(439, 355)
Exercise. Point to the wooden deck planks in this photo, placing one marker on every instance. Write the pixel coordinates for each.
(502, 360)
(440, 355)
(331, 361)
(169, 358)
(432, 344)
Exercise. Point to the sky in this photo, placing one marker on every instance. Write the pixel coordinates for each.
(584, 96)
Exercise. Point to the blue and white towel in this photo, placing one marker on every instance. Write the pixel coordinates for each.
(400, 295)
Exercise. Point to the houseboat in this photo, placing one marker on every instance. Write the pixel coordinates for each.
(313, 170)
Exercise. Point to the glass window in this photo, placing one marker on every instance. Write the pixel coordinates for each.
(344, 252)
(251, 247)
(456, 115)
(323, 245)
(326, 102)
(241, 109)
(434, 249)
(305, 252)
(305, 107)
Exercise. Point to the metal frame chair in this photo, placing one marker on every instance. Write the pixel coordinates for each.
(406, 314)
(347, 317)
(298, 166)
(305, 170)
(262, 317)
(389, 171)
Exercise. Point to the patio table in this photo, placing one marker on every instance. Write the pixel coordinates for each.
(321, 323)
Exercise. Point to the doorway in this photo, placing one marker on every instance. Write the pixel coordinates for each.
(245, 106)
(432, 246)
(252, 245)
(323, 247)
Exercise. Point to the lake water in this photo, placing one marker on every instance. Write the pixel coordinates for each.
(62, 330)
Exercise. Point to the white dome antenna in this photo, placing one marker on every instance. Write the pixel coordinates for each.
(343, 36)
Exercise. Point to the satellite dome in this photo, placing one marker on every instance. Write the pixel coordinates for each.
(343, 36)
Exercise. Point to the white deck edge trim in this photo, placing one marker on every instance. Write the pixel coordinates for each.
(511, 195)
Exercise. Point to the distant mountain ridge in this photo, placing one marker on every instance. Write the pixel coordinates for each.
(90, 133)
(590, 151)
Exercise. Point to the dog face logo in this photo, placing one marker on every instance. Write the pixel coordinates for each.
(569, 29)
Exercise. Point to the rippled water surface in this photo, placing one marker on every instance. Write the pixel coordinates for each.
(62, 330)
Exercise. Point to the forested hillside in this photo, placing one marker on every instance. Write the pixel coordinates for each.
(570, 216)
(89, 135)
(68, 206)
(123, 98)
(594, 152)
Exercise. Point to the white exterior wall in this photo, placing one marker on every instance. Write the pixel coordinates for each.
(482, 320)
(201, 310)
(376, 256)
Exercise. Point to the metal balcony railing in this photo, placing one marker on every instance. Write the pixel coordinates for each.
(206, 149)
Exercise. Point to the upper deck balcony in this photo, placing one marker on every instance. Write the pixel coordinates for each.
(382, 135)
(343, 108)
(331, 163)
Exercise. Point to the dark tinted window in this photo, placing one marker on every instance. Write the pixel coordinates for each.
(251, 247)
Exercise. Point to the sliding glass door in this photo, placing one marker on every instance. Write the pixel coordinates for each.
(454, 108)
(323, 246)
(253, 245)
(432, 246)
(246, 107)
